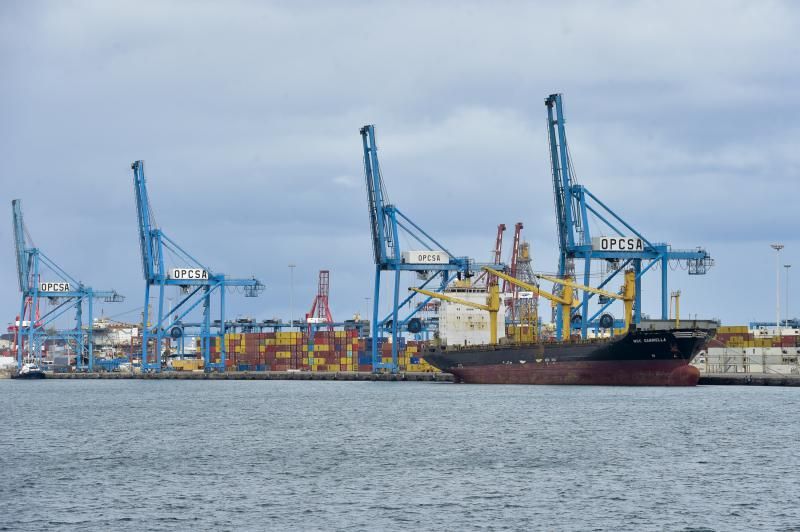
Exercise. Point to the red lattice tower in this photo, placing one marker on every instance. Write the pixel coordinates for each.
(320, 311)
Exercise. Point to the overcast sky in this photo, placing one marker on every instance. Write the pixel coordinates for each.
(681, 116)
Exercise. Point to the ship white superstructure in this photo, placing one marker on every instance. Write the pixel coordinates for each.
(462, 325)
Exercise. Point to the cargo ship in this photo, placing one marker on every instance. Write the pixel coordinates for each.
(653, 353)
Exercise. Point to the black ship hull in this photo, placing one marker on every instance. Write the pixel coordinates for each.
(638, 358)
(36, 374)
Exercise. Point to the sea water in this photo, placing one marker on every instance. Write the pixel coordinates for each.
(315, 455)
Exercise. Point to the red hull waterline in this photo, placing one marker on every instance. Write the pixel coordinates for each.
(616, 373)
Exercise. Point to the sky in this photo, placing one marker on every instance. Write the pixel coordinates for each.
(681, 116)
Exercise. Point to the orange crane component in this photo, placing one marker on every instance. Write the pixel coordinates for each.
(497, 259)
(507, 286)
(320, 311)
(498, 253)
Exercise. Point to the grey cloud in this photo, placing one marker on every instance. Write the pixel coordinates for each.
(247, 114)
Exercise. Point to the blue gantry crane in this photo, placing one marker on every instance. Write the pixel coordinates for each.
(195, 281)
(624, 248)
(41, 278)
(430, 259)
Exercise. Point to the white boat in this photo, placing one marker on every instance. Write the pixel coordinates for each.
(30, 370)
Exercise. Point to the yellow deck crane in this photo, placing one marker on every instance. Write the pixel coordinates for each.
(567, 300)
(492, 304)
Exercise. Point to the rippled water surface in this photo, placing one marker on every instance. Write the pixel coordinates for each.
(271, 455)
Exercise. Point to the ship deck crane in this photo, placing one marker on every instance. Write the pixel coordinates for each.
(574, 203)
(40, 277)
(196, 282)
(567, 301)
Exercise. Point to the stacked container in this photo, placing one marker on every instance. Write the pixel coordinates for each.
(331, 351)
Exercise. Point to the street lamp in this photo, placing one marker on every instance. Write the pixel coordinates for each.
(787, 266)
(777, 248)
(291, 294)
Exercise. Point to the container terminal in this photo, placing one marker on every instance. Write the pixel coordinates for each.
(458, 300)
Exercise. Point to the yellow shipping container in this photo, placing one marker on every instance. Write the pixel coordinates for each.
(187, 364)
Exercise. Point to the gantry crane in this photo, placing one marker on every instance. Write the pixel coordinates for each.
(626, 248)
(39, 277)
(195, 281)
(431, 261)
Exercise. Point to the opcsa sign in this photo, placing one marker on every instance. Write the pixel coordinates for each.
(53, 287)
(188, 274)
(617, 243)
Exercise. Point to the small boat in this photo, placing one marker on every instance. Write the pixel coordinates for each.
(30, 370)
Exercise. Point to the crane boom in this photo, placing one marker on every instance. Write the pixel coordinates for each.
(19, 245)
(526, 286)
(450, 299)
(571, 284)
(146, 222)
(382, 237)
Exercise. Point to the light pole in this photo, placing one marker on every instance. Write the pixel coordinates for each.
(777, 248)
(787, 266)
(291, 294)
(367, 312)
